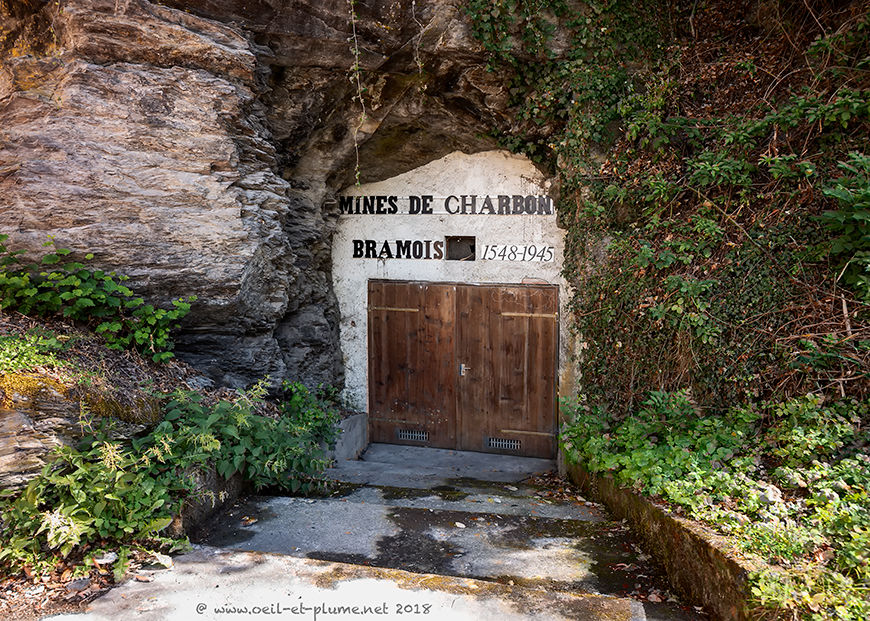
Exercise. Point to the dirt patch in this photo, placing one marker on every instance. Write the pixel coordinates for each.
(124, 379)
(67, 589)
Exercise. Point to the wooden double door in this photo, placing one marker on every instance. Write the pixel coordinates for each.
(468, 367)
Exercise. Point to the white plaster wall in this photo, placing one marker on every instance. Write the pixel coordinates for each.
(490, 173)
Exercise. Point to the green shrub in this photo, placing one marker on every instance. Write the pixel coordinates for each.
(806, 429)
(124, 493)
(715, 168)
(315, 412)
(104, 489)
(58, 287)
(817, 594)
(287, 452)
(810, 513)
(664, 441)
(851, 223)
(26, 351)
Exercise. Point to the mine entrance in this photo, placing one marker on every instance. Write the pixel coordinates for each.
(469, 367)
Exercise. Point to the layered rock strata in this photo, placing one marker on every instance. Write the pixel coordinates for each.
(198, 146)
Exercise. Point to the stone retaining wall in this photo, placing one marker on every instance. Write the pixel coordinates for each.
(697, 560)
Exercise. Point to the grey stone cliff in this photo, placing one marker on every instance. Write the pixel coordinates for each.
(198, 146)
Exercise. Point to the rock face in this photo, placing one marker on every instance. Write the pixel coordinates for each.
(32, 423)
(199, 150)
(38, 414)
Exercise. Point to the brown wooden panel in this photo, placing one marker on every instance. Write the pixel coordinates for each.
(541, 380)
(518, 360)
(379, 381)
(510, 358)
(439, 360)
(472, 324)
(411, 361)
(388, 377)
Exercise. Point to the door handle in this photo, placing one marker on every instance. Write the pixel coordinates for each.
(463, 369)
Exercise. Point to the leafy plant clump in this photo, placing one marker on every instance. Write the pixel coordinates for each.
(109, 492)
(55, 286)
(851, 222)
(287, 452)
(102, 490)
(31, 350)
(737, 255)
(787, 481)
(713, 167)
(566, 97)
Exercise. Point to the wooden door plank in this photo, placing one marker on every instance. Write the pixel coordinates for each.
(543, 334)
(411, 340)
(471, 328)
(511, 355)
(423, 373)
(389, 322)
(378, 373)
(437, 360)
(406, 357)
(410, 401)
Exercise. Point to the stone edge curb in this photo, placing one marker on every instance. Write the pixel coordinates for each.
(695, 558)
(353, 440)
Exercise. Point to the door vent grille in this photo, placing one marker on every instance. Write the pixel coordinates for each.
(413, 435)
(504, 444)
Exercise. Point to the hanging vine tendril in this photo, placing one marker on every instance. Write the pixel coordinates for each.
(356, 79)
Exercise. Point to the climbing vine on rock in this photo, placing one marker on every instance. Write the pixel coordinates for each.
(713, 187)
(569, 69)
(356, 80)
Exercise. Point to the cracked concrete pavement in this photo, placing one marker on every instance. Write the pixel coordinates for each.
(408, 532)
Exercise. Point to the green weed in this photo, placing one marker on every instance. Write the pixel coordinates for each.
(55, 286)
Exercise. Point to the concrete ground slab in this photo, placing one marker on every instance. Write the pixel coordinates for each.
(213, 585)
(453, 514)
(298, 526)
(468, 539)
(519, 500)
(394, 465)
(560, 553)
